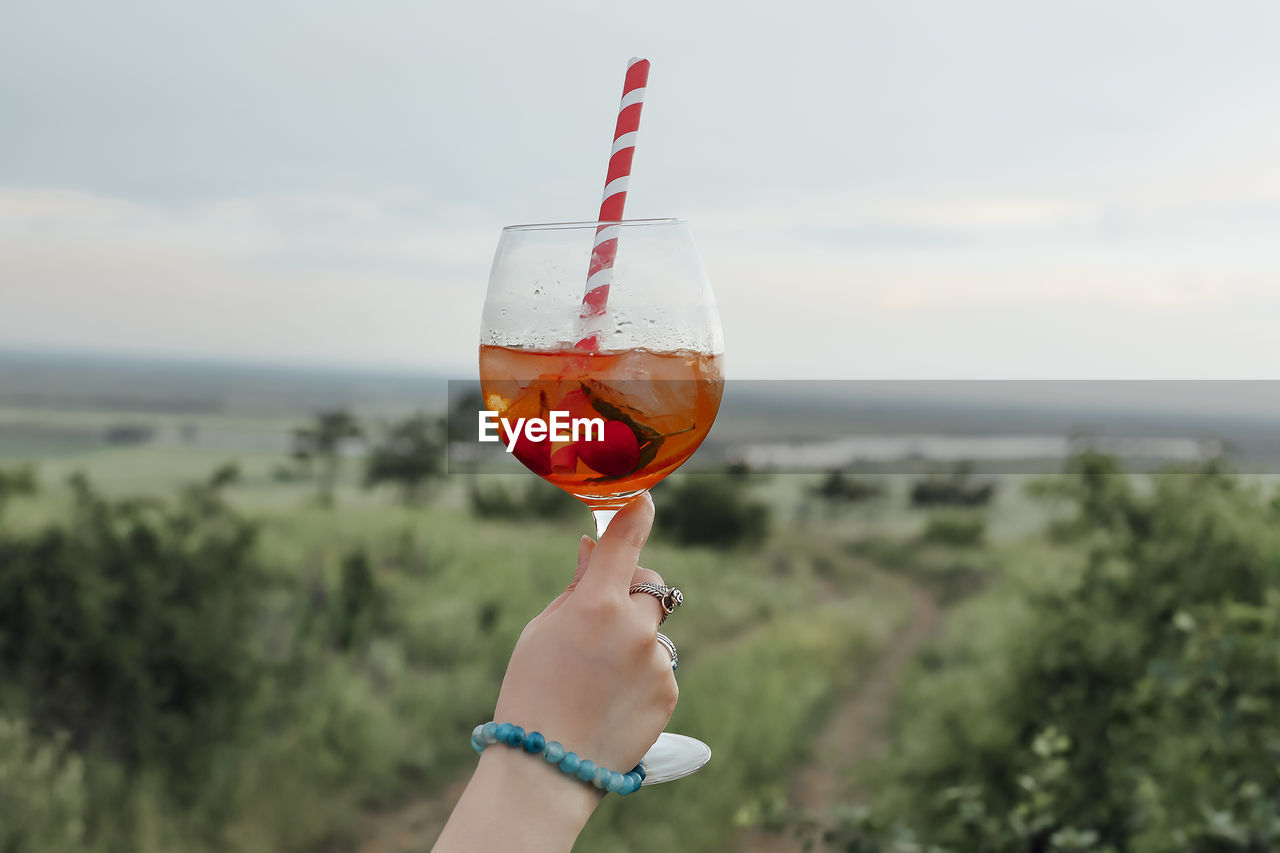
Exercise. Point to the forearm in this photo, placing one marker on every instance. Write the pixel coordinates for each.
(518, 802)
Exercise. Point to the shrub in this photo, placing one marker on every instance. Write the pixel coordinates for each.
(955, 489)
(837, 487)
(128, 434)
(1130, 706)
(955, 531)
(712, 510)
(125, 626)
(358, 606)
(41, 793)
(537, 499)
(15, 482)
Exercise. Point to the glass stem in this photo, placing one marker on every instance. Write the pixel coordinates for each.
(602, 517)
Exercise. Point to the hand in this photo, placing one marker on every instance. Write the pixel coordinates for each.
(588, 672)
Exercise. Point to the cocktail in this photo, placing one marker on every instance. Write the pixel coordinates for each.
(646, 374)
(648, 380)
(601, 360)
(642, 376)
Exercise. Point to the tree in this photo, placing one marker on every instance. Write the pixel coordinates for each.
(410, 454)
(321, 444)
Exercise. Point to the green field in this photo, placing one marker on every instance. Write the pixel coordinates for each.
(1089, 668)
(382, 729)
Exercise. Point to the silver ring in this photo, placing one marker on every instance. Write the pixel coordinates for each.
(668, 596)
(671, 649)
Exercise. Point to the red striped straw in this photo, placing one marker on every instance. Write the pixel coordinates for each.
(605, 250)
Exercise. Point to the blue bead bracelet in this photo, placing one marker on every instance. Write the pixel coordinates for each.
(535, 743)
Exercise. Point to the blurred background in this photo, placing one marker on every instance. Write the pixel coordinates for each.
(249, 602)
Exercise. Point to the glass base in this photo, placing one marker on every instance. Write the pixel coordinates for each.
(674, 756)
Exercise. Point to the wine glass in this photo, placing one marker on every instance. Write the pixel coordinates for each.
(642, 373)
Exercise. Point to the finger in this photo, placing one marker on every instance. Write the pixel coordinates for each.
(585, 546)
(613, 561)
(643, 575)
(662, 661)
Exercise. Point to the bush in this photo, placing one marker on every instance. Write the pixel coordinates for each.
(955, 531)
(41, 793)
(15, 482)
(1128, 707)
(128, 434)
(955, 489)
(712, 510)
(538, 499)
(837, 487)
(125, 627)
(359, 604)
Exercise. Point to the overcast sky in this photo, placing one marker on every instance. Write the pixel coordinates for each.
(879, 190)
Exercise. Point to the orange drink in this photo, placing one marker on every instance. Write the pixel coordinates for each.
(656, 408)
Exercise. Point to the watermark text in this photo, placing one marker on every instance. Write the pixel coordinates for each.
(559, 427)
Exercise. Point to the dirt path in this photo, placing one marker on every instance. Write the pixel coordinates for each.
(856, 731)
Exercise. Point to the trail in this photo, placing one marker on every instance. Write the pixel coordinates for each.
(855, 732)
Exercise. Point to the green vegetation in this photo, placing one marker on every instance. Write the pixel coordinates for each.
(221, 662)
(954, 489)
(317, 449)
(232, 665)
(409, 455)
(957, 530)
(838, 487)
(713, 510)
(1115, 691)
(492, 497)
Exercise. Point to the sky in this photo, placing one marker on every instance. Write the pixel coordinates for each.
(898, 189)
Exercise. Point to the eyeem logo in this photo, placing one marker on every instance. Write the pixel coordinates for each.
(560, 427)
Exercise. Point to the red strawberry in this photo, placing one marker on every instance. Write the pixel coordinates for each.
(616, 455)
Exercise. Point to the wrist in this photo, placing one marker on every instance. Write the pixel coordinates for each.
(541, 808)
(541, 789)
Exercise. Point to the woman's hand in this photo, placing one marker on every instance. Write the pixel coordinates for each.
(588, 672)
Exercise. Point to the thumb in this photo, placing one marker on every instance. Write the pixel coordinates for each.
(615, 557)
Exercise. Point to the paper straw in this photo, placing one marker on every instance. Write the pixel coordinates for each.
(605, 249)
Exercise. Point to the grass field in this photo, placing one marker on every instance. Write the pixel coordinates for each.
(769, 638)
(358, 748)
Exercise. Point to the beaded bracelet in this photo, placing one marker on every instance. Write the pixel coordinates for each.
(535, 743)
